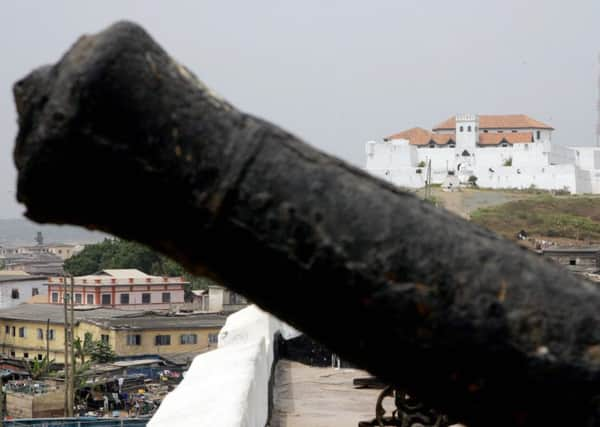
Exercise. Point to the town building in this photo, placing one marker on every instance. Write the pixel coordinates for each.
(576, 259)
(29, 330)
(127, 289)
(17, 287)
(222, 300)
(493, 151)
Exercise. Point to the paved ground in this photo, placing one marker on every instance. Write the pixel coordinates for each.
(305, 396)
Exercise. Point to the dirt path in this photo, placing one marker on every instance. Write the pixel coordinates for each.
(463, 202)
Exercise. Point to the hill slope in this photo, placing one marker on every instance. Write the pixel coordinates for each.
(571, 217)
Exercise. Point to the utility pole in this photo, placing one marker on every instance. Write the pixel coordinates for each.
(47, 342)
(71, 347)
(66, 357)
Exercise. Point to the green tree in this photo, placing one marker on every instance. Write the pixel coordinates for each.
(83, 348)
(117, 253)
(38, 368)
(101, 352)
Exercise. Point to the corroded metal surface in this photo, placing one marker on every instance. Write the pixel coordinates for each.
(118, 136)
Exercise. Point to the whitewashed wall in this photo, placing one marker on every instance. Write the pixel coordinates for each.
(228, 387)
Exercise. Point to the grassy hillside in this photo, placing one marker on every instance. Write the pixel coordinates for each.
(572, 217)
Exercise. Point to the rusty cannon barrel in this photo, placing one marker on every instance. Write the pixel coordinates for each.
(118, 136)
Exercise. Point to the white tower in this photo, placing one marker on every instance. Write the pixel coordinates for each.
(467, 133)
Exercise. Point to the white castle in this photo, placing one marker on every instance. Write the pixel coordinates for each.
(495, 151)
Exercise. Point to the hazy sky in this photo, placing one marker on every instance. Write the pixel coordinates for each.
(339, 73)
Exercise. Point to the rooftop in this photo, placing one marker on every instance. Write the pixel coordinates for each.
(498, 121)
(129, 276)
(150, 320)
(55, 313)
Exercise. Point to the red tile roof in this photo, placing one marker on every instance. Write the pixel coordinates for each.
(511, 138)
(420, 136)
(505, 121)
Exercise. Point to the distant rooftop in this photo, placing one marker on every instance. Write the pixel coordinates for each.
(128, 276)
(498, 121)
(55, 313)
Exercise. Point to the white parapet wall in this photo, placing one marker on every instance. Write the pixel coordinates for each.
(229, 386)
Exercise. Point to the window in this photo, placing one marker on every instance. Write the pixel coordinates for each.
(166, 297)
(26, 355)
(468, 128)
(77, 298)
(22, 332)
(189, 339)
(35, 291)
(572, 262)
(500, 131)
(7, 329)
(213, 338)
(14, 331)
(537, 134)
(104, 338)
(124, 298)
(40, 334)
(14, 294)
(12, 354)
(145, 298)
(105, 299)
(39, 357)
(485, 131)
(50, 334)
(162, 340)
(514, 131)
(461, 128)
(55, 297)
(134, 339)
(90, 299)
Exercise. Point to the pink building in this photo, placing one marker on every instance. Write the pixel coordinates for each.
(125, 289)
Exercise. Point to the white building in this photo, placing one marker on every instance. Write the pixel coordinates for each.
(499, 151)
